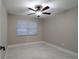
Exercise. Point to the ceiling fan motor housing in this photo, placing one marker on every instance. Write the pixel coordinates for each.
(38, 7)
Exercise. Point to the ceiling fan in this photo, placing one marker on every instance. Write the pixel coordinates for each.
(39, 10)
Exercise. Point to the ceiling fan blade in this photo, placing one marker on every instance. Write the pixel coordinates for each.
(46, 13)
(31, 14)
(31, 9)
(47, 7)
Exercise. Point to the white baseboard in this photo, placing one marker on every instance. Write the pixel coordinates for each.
(24, 44)
(62, 49)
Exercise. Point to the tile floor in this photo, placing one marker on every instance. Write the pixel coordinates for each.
(37, 51)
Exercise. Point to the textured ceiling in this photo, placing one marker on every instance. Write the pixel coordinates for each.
(20, 7)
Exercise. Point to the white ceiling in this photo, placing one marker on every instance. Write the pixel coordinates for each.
(20, 7)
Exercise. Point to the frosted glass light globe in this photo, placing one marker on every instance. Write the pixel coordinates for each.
(38, 13)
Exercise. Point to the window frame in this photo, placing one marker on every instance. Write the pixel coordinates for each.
(28, 30)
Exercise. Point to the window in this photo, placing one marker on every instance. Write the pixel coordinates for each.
(26, 28)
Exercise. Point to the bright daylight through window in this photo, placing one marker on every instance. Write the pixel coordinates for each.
(26, 28)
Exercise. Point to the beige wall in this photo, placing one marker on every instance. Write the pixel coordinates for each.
(13, 39)
(3, 27)
(61, 30)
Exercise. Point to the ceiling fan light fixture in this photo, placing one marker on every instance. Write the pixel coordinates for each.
(38, 13)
